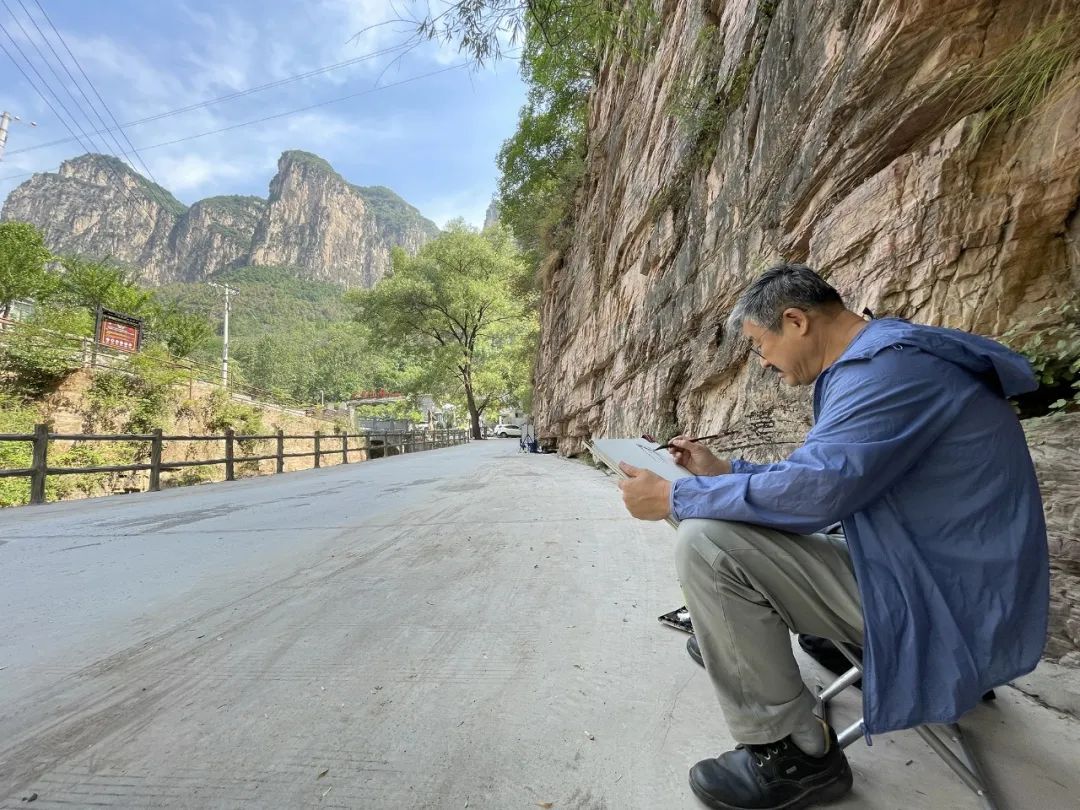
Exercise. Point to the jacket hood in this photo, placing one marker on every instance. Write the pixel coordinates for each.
(1008, 372)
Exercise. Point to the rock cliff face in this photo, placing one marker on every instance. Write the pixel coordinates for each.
(96, 206)
(313, 220)
(491, 216)
(850, 136)
(1053, 441)
(215, 233)
(336, 231)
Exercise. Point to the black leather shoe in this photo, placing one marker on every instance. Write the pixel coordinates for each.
(694, 650)
(772, 777)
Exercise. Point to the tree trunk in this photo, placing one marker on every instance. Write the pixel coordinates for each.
(470, 401)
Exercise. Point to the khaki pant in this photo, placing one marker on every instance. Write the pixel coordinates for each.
(746, 588)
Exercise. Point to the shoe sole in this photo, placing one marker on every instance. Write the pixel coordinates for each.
(825, 793)
(699, 661)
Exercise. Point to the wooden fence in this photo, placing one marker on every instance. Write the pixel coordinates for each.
(324, 444)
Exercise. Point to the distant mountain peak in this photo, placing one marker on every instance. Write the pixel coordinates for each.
(313, 221)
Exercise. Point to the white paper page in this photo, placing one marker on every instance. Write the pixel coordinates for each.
(638, 453)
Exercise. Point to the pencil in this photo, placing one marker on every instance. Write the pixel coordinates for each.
(698, 439)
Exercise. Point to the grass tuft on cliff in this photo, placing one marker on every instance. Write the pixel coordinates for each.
(1023, 77)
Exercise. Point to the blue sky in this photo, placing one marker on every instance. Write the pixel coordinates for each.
(432, 140)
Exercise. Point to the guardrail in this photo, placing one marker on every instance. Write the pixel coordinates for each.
(375, 442)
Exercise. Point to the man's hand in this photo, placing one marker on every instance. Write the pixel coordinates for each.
(697, 458)
(647, 496)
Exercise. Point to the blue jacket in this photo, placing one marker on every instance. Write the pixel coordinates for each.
(916, 450)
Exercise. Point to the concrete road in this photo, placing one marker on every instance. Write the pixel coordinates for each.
(462, 628)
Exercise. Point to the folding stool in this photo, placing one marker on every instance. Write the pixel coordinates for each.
(963, 762)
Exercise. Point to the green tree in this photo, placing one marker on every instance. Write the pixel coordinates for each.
(45, 348)
(562, 45)
(482, 29)
(22, 264)
(456, 311)
(92, 284)
(184, 332)
(542, 163)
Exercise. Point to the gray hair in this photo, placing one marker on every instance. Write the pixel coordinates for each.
(779, 288)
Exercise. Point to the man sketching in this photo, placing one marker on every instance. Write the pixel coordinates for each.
(944, 575)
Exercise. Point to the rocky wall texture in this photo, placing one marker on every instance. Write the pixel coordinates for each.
(1054, 441)
(847, 135)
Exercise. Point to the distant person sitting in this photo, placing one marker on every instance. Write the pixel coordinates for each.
(944, 576)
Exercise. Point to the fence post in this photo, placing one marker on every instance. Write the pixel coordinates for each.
(316, 448)
(41, 458)
(345, 447)
(229, 454)
(155, 460)
(280, 450)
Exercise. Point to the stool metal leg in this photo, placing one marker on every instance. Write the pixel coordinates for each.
(966, 766)
(959, 768)
(840, 684)
(972, 762)
(850, 734)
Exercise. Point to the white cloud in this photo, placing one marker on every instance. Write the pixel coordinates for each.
(468, 203)
(367, 25)
(208, 56)
(187, 172)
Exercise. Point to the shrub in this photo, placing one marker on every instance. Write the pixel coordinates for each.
(15, 417)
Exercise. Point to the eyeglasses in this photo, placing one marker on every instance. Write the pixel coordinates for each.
(755, 350)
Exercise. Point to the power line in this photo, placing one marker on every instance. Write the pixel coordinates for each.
(120, 184)
(308, 107)
(277, 115)
(45, 83)
(230, 96)
(48, 63)
(33, 84)
(74, 81)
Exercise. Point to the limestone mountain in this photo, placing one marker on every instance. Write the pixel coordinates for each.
(312, 220)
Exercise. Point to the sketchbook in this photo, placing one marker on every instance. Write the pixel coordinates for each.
(638, 453)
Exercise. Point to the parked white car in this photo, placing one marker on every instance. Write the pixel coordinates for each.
(505, 431)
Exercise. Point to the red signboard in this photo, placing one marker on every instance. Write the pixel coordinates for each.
(116, 335)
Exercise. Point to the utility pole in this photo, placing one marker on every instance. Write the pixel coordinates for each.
(5, 119)
(225, 332)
